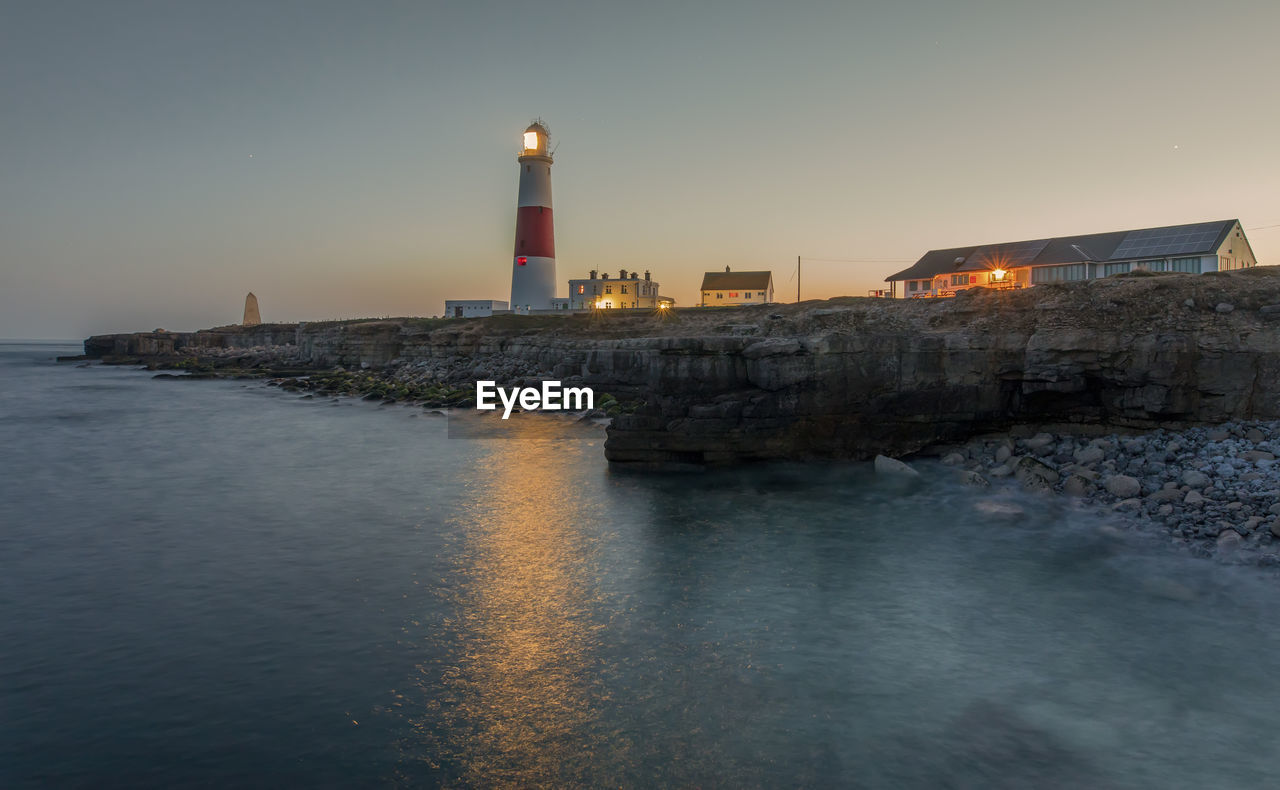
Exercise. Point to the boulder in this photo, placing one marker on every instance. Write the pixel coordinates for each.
(1089, 455)
(1039, 441)
(1076, 485)
(1195, 478)
(885, 465)
(1123, 486)
(1034, 473)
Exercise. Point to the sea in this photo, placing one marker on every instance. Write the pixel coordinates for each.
(215, 583)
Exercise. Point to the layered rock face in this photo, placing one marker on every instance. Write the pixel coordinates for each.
(849, 378)
(159, 344)
(859, 379)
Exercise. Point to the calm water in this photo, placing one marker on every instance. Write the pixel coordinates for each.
(220, 584)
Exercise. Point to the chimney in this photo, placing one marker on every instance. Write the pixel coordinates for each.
(726, 268)
(593, 275)
(604, 276)
(635, 275)
(646, 274)
(622, 274)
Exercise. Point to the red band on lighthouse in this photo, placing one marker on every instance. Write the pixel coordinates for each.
(535, 235)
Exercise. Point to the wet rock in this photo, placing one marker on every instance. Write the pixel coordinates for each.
(953, 459)
(1195, 479)
(974, 479)
(1123, 486)
(885, 465)
(1039, 440)
(1254, 435)
(1077, 485)
(1003, 470)
(1034, 473)
(1193, 499)
(1003, 453)
(1224, 307)
(995, 507)
(1274, 529)
(1089, 455)
(1253, 456)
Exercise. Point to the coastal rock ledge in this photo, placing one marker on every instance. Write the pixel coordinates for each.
(851, 378)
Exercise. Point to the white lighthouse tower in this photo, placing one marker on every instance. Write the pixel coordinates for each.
(533, 267)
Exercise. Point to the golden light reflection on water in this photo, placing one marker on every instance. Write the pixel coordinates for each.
(516, 709)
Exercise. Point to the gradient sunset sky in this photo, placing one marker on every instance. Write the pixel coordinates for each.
(348, 159)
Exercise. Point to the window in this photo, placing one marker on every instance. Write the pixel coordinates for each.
(608, 289)
(1109, 269)
(719, 296)
(761, 294)
(733, 294)
(959, 279)
(913, 286)
(1054, 274)
(624, 289)
(582, 289)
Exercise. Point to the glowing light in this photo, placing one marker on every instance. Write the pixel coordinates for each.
(663, 305)
(998, 274)
(521, 261)
(530, 140)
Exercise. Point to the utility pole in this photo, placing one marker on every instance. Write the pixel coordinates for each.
(797, 279)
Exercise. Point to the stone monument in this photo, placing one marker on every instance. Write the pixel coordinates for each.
(251, 315)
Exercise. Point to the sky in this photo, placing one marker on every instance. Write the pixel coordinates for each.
(159, 160)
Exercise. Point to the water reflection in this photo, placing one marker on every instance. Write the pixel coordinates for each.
(515, 708)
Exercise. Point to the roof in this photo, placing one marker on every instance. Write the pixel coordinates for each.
(1124, 245)
(742, 281)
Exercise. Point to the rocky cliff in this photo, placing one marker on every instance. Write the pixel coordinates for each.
(849, 378)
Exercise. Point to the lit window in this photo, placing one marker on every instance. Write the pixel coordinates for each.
(582, 289)
(733, 294)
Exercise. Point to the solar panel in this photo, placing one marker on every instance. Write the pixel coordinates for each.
(1177, 240)
(1007, 255)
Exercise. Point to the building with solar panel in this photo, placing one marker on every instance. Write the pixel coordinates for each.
(1196, 248)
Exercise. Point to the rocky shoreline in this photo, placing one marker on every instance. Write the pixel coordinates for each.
(1213, 490)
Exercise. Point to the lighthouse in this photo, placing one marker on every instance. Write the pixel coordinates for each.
(533, 267)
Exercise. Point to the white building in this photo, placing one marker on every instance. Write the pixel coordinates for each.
(473, 308)
(730, 289)
(627, 290)
(1196, 248)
